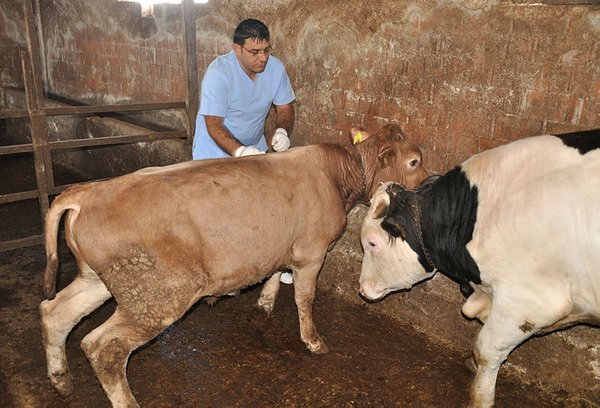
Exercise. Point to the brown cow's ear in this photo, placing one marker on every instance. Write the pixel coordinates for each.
(386, 156)
(380, 209)
(395, 131)
(358, 134)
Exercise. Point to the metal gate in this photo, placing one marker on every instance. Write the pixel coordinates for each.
(37, 114)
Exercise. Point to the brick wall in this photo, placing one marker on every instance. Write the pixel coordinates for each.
(11, 42)
(458, 78)
(107, 52)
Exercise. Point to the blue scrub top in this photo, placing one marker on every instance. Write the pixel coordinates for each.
(227, 91)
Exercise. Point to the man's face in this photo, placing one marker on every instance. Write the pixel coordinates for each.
(253, 55)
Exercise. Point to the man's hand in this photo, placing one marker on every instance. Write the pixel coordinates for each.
(280, 140)
(246, 151)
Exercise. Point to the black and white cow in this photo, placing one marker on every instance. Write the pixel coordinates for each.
(517, 227)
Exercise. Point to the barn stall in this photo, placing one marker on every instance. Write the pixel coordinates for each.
(95, 90)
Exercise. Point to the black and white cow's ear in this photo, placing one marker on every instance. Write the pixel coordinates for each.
(395, 189)
(380, 209)
(380, 202)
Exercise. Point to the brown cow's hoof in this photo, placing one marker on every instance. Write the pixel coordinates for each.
(266, 304)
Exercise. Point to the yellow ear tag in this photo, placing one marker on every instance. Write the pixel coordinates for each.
(358, 137)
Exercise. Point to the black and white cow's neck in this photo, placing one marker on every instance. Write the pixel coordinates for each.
(437, 221)
(449, 212)
(429, 265)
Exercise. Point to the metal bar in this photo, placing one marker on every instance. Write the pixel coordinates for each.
(21, 196)
(20, 148)
(39, 131)
(89, 109)
(188, 11)
(80, 110)
(21, 243)
(70, 144)
(100, 141)
(13, 114)
(40, 40)
(35, 106)
(114, 140)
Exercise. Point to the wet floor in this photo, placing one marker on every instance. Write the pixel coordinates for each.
(230, 355)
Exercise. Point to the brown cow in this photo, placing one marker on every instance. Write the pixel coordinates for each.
(159, 239)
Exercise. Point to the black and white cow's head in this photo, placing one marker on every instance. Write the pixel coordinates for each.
(391, 238)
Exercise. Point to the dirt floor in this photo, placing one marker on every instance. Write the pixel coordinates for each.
(229, 355)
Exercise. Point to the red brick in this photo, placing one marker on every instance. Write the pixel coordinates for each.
(590, 115)
(352, 101)
(554, 128)
(337, 99)
(509, 128)
(486, 143)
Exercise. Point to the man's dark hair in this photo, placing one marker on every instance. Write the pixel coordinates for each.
(250, 28)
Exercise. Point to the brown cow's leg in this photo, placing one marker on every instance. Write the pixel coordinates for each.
(58, 316)
(305, 282)
(268, 294)
(108, 348)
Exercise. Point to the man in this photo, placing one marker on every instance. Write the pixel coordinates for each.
(238, 91)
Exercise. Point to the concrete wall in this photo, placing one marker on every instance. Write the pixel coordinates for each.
(459, 76)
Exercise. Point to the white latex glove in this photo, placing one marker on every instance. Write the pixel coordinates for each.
(281, 141)
(246, 151)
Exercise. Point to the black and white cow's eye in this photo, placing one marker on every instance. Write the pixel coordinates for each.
(402, 232)
(393, 228)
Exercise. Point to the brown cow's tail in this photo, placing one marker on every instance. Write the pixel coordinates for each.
(60, 205)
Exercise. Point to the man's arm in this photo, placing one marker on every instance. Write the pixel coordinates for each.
(285, 118)
(221, 135)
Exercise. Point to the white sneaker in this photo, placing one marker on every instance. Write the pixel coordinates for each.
(287, 278)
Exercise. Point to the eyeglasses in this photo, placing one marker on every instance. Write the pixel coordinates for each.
(267, 51)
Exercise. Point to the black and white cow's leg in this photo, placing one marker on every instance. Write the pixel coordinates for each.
(305, 282)
(497, 338)
(59, 315)
(477, 306)
(513, 318)
(269, 292)
(108, 348)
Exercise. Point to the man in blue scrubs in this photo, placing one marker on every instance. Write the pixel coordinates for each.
(238, 91)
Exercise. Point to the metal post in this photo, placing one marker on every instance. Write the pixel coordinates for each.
(35, 107)
(188, 12)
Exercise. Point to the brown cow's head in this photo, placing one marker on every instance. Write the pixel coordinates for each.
(388, 156)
